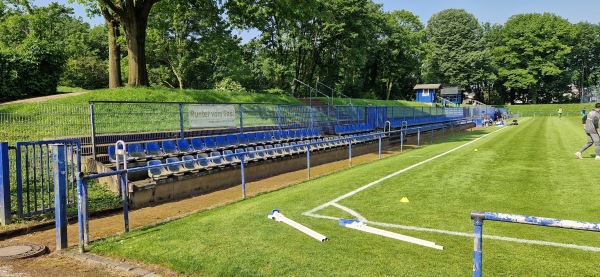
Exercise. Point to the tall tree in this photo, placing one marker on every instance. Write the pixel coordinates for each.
(191, 44)
(586, 55)
(533, 56)
(453, 46)
(399, 54)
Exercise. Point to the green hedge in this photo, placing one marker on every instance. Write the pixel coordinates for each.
(34, 69)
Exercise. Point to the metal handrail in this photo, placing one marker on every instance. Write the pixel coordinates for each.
(333, 90)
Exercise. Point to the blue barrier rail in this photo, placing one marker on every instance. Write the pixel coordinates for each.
(34, 180)
(479, 216)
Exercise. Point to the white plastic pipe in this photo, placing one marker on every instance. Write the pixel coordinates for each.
(276, 215)
(357, 225)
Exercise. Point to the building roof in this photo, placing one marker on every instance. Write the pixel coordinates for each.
(427, 86)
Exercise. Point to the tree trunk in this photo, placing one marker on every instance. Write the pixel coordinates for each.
(136, 51)
(114, 51)
(114, 54)
(133, 16)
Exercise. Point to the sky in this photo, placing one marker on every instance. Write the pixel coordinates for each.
(493, 11)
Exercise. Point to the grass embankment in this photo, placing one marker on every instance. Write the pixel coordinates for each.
(526, 169)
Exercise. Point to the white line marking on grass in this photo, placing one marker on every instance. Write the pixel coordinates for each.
(350, 211)
(394, 174)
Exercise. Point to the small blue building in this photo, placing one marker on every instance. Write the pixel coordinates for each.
(427, 92)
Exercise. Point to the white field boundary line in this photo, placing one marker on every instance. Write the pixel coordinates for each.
(395, 174)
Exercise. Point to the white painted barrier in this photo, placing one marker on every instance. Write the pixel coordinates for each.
(276, 215)
(358, 225)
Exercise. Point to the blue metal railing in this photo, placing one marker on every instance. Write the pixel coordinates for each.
(34, 179)
(479, 216)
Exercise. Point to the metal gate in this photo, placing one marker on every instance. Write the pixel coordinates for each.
(35, 175)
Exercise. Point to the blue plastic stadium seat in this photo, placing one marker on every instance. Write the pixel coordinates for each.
(278, 150)
(174, 166)
(243, 140)
(184, 147)
(233, 141)
(153, 150)
(204, 162)
(241, 153)
(112, 154)
(250, 154)
(316, 132)
(252, 139)
(198, 145)
(277, 136)
(305, 134)
(231, 158)
(302, 147)
(260, 153)
(269, 137)
(298, 134)
(261, 138)
(217, 159)
(270, 153)
(169, 148)
(287, 149)
(135, 151)
(190, 164)
(222, 142)
(210, 144)
(159, 171)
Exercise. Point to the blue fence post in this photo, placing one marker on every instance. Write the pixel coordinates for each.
(19, 176)
(379, 146)
(477, 251)
(241, 120)
(81, 211)
(5, 216)
(242, 169)
(401, 141)
(308, 160)
(93, 129)
(60, 194)
(350, 151)
(181, 125)
(125, 199)
(279, 117)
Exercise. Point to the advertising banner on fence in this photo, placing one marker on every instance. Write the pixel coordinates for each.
(210, 116)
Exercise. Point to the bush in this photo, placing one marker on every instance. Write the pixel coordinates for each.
(229, 85)
(87, 72)
(33, 69)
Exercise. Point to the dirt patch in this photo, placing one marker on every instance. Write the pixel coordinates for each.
(44, 98)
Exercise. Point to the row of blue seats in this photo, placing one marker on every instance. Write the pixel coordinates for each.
(353, 128)
(426, 120)
(171, 148)
(207, 161)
